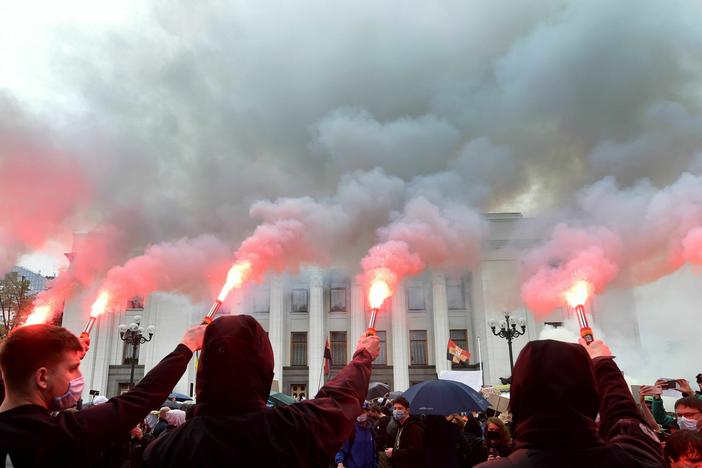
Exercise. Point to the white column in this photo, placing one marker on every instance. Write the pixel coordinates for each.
(357, 321)
(400, 340)
(441, 325)
(315, 334)
(102, 337)
(276, 328)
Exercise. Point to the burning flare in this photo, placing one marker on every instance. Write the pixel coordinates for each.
(100, 304)
(236, 276)
(40, 314)
(576, 297)
(379, 291)
(578, 293)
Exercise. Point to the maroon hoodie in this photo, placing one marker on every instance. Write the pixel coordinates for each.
(556, 394)
(233, 426)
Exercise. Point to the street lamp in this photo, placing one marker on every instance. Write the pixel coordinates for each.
(133, 335)
(508, 330)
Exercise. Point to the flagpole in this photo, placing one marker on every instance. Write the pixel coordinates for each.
(321, 371)
(480, 362)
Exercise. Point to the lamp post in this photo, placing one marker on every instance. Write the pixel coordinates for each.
(508, 330)
(133, 335)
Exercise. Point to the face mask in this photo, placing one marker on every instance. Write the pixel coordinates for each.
(362, 418)
(72, 395)
(493, 435)
(687, 423)
(398, 414)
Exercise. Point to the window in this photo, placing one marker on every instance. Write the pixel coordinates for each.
(382, 358)
(128, 354)
(298, 391)
(454, 295)
(298, 349)
(338, 300)
(299, 300)
(415, 298)
(338, 348)
(418, 347)
(136, 302)
(460, 337)
(262, 300)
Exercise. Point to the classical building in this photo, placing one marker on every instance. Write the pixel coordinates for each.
(302, 312)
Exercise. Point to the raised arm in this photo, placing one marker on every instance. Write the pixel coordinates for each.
(621, 422)
(120, 414)
(329, 417)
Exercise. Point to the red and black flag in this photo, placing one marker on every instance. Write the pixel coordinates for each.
(456, 354)
(327, 358)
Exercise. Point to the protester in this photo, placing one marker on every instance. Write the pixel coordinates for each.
(557, 390)
(359, 449)
(162, 423)
(408, 451)
(384, 432)
(498, 441)
(374, 414)
(40, 365)
(443, 442)
(688, 412)
(174, 418)
(684, 449)
(473, 434)
(233, 426)
(151, 420)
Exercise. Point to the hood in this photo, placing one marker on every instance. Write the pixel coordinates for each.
(235, 370)
(553, 397)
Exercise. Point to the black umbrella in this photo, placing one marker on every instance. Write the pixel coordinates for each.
(377, 390)
(179, 396)
(171, 404)
(444, 397)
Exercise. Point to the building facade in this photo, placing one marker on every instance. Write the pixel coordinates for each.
(302, 312)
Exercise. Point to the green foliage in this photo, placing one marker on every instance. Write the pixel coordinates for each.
(15, 302)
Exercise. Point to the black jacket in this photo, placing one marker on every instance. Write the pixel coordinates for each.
(444, 442)
(160, 426)
(555, 396)
(409, 450)
(232, 425)
(34, 438)
(383, 433)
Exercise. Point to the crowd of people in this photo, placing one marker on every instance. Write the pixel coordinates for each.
(569, 407)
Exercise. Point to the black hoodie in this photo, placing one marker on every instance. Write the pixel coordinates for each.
(33, 437)
(233, 426)
(555, 397)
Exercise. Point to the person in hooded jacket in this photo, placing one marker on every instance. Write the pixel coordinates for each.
(359, 450)
(557, 390)
(232, 426)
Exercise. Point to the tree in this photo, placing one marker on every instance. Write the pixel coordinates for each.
(15, 302)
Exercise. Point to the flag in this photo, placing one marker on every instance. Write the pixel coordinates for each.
(327, 358)
(456, 354)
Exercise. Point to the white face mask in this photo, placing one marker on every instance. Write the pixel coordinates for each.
(687, 423)
(362, 418)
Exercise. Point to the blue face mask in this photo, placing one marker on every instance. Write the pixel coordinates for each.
(398, 414)
(72, 395)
